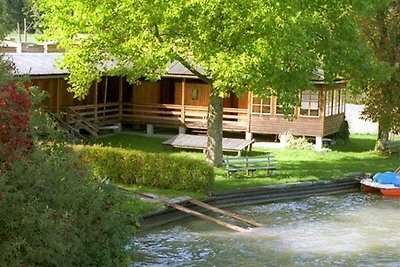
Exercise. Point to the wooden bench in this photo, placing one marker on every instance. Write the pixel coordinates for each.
(250, 164)
(393, 147)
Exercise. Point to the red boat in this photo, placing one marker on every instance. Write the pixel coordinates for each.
(388, 183)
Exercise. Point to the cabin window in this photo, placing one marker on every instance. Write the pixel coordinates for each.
(262, 106)
(309, 104)
(195, 94)
(280, 110)
(335, 102)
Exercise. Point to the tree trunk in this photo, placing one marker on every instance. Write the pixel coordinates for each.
(214, 129)
(383, 137)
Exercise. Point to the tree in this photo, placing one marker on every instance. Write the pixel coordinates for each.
(4, 29)
(382, 99)
(263, 46)
(14, 13)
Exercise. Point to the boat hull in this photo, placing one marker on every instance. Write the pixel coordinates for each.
(390, 192)
(370, 186)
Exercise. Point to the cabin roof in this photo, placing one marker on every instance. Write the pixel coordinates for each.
(176, 68)
(35, 63)
(43, 64)
(38, 64)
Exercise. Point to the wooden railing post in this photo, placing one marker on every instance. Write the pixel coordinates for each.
(120, 98)
(96, 88)
(183, 101)
(249, 110)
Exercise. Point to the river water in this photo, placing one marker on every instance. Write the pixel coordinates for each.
(338, 230)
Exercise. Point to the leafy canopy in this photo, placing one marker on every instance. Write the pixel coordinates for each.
(382, 32)
(251, 45)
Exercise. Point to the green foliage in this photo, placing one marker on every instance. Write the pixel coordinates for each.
(343, 135)
(148, 169)
(382, 98)
(295, 142)
(235, 46)
(15, 11)
(240, 45)
(52, 214)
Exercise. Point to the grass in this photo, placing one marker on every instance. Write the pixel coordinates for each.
(31, 37)
(296, 165)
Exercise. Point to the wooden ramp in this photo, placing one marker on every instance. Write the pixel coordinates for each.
(174, 203)
(190, 141)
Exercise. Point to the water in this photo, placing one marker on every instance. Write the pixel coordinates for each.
(340, 230)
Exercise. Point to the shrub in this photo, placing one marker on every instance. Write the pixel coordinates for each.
(148, 169)
(298, 142)
(51, 214)
(15, 138)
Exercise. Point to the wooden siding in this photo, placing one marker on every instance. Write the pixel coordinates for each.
(146, 93)
(59, 97)
(148, 103)
(202, 100)
(332, 124)
(265, 124)
(50, 86)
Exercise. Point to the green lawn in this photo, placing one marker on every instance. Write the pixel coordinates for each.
(33, 38)
(296, 165)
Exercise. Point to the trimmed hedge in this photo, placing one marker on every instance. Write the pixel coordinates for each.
(148, 169)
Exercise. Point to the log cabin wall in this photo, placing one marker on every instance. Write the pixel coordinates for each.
(50, 86)
(146, 93)
(59, 97)
(332, 124)
(196, 93)
(264, 124)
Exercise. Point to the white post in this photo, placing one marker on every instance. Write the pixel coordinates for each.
(282, 138)
(150, 129)
(318, 143)
(182, 130)
(248, 136)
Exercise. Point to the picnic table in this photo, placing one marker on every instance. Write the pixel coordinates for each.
(190, 141)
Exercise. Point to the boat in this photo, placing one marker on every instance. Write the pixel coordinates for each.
(387, 183)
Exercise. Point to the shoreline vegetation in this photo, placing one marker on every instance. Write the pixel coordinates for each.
(295, 166)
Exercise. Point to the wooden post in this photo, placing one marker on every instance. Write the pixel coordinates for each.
(173, 204)
(322, 108)
(206, 217)
(96, 88)
(249, 110)
(183, 101)
(225, 213)
(58, 96)
(105, 98)
(120, 97)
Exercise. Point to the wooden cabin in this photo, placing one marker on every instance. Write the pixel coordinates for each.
(180, 100)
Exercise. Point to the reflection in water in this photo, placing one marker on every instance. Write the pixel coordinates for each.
(351, 230)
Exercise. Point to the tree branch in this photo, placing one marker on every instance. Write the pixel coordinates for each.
(193, 69)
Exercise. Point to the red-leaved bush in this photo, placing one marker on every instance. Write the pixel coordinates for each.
(15, 137)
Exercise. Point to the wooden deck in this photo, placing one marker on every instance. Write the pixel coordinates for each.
(189, 141)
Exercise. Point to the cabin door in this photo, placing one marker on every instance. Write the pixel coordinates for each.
(167, 95)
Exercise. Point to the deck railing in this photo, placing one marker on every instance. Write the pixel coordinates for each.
(171, 114)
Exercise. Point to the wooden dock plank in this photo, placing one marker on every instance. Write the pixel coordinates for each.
(208, 218)
(225, 212)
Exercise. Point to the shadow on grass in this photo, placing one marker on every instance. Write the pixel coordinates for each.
(135, 142)
(359, 143)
